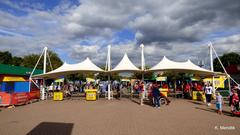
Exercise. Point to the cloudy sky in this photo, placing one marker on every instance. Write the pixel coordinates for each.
(178, 29)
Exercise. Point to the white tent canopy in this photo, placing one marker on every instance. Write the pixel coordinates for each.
(86, 66)
(165, 65)
(125, 65)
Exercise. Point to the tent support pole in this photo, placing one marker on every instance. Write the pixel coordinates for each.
(228, 76)
(143, 92)
(109, 68)
(229, 84)
(211, 64)
(30, 77)
(143, 95)
(44, 71)
(175, 87)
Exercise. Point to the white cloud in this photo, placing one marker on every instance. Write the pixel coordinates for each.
(177, 29)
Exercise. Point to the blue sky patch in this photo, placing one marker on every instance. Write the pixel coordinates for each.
(124, 35)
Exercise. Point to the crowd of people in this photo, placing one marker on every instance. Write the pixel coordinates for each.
(234, 97)
(69, 88)
(153, 91)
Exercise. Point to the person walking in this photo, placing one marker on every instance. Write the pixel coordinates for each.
(141, 92)
(208, 93)
(156, 95)
(235, 102)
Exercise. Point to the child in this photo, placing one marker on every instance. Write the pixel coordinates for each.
(219, 103)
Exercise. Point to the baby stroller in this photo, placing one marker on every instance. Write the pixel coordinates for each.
(67, 94)
(162, 100)
(235, 111)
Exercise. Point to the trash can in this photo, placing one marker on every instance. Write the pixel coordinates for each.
(57, 96)
(91, 94)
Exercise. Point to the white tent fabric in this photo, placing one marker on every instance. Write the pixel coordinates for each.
(125, 65)
(166, 64)
(86, 66)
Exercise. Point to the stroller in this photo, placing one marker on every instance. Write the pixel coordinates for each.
(162, 100)
(236, 111)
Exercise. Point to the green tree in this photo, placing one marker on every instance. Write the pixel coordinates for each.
(147, 75)
(55, 60)
(227, 59)
(16, 61)
(5, 57)
(104, 76)
(31, 60)
(79, 76)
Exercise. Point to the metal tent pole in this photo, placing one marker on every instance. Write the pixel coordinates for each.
(44, 71)
(211, 64)
(30, 77)
(229, 84)
(228, 76)
(109, 68)
(143, 68)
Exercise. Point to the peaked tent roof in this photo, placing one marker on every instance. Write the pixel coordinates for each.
(188, 66)
(125, 65)
(86, 66)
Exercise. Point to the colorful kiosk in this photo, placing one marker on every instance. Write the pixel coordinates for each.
(14, 85)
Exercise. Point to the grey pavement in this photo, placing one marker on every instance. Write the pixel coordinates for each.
(116, 117)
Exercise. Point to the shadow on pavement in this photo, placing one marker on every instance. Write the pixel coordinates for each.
(52, 128)
(195, 102)
(214, 111)
(134, 101)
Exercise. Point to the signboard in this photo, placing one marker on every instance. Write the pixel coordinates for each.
(125, 80)
(35, 94)
(14, 98)
(5, 99)
(19, 98)
(161, 78)
(218, 82)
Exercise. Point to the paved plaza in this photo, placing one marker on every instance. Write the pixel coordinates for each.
(116, 117)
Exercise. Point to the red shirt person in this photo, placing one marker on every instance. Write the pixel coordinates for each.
(187, 88)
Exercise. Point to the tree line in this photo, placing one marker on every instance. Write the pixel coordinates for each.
(227, 59)
(30, 60)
